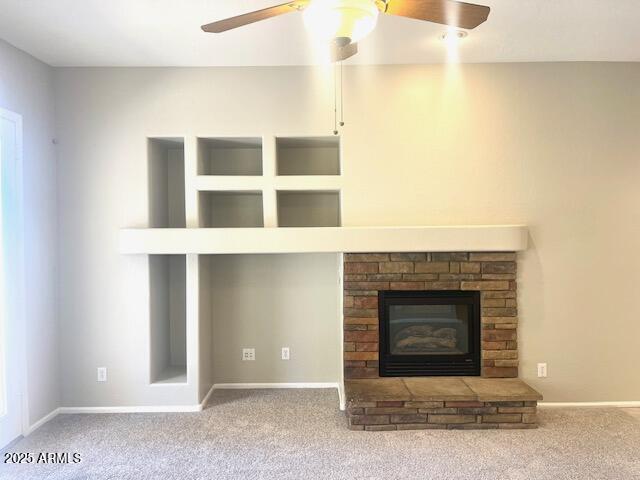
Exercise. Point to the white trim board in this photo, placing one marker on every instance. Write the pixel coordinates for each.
(134, 409)
(341, 396)
(143, 408)
(49, 416)
(205, 400)
(622, 404)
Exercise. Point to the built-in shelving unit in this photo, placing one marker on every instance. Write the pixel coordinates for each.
(226, 185)
(241, 156)
(166, 182)
(269, 181)
(168, 321)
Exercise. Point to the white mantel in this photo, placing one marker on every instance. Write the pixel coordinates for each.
(475, 238)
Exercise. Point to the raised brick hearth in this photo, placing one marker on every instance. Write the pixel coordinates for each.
(492, 274)
(418, 403)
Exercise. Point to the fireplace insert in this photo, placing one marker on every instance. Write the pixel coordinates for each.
(429, 333)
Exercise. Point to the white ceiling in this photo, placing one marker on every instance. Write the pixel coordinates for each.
(167, 32)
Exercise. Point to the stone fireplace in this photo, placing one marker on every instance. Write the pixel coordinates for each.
(371, 276)
(430, 341)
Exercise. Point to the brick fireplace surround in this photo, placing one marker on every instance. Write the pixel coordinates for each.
(493, 274)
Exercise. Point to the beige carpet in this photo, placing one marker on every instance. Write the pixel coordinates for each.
(300, 434)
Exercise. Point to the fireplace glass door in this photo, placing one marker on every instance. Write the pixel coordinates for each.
(429, 329)
(429, 333)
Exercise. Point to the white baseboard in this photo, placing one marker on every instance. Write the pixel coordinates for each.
(623, 404)
(142, 409)
(343, 400)
(134, 409)
(205, 400)
(49, 416)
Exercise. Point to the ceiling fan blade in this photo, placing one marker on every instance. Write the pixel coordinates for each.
(446, 12)
(252, 17)
(339, 53)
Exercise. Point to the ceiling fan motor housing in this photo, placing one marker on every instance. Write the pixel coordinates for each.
(341, 41)
(341, 21)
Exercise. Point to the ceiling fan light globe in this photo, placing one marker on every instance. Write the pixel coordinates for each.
(331, 19)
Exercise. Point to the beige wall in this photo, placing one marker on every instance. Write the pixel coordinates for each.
(554, 146)
(268, 302)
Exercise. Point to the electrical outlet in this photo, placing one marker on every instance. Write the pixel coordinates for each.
(285, 353)
(248, 354)
(542, 370)
(102, 374)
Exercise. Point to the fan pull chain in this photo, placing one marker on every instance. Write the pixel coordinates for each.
(338, 84)
(335, 100)
(341, 97)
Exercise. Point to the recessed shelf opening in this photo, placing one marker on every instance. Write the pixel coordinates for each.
(230, 156)
(308, 208)
(231, 209)
(168, 319)
(308, 155)
(166, 182)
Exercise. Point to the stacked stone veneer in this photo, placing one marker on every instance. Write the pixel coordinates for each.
(493, 274)
(466, 415)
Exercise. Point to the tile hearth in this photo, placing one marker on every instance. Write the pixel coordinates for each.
(414, 403)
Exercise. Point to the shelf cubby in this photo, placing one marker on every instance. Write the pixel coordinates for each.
(231, 209)
(308, 208)
(230, 156)
(166, 182)
(308, 155)
(168, 319)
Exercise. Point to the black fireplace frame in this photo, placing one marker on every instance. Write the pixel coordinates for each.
(429, 365)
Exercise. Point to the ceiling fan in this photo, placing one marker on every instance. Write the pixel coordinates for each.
(342, 23)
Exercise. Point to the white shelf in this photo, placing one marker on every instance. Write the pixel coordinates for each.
(215, 183)
(220, 183)
(314, 182)
(493, 238)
